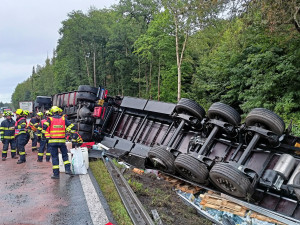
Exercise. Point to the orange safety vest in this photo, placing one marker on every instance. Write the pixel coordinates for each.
(47, 134)
(17, 131)
(57, 128)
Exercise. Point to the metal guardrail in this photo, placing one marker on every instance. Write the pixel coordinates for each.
(134, 207)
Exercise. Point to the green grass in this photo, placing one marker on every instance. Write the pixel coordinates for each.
(110, 193)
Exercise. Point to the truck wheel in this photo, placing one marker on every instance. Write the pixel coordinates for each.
(86, 96)
(43, 100)
(230, 179)
(225, 112)
(267, 119)
(191, 168)
(86, 136)
(85, 127)
(190, 107)
(88, 88)
(162, 159)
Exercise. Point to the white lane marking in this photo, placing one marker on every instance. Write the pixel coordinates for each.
(96, 209)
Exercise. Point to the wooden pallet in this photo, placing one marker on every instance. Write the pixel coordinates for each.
(214, 201)
(181, 185)
(264, 218)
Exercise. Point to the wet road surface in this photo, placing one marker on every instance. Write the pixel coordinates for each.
(29, 196)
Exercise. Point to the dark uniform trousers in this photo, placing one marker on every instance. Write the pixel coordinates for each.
(21, 142)
(44, 146)
(6, 143)
(53, 147)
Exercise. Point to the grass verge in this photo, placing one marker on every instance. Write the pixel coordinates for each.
(110, 192)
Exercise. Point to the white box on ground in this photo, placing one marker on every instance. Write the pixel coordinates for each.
(85, 155)
(61, 162)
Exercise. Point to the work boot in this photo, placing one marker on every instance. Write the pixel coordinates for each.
(70, 173)
(39, 160)
(54, 176)
(15, 157)
(20, 161)
(3, 158)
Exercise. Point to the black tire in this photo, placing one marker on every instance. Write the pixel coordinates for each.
(86, 136)
(219, 110)
(267, 119)
(191, 168)
(190, 107)
(162, 159)
(43, 100)
(85, 127)
(88, 88)
(230, 179)
(86, 96)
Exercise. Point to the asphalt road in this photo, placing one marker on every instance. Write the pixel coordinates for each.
(29, 196)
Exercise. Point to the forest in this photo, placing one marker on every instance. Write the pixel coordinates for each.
(241, 52)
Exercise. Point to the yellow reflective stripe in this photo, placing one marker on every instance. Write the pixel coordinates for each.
(43, 131)
(57, 135)
(34, 147)
(7, 128)
(66, 162)
(24, 123)
(4, 152)
(46, 123)
(57, 131)
(22, 153)
(13, 150)
(55, 167)
(40, 154)
(57, 140)
(49, 154)
(9, 137)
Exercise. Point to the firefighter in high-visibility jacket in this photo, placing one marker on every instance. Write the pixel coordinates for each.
(7, 132)
(32, 129)
(21, 135)
(44, 139)
(58, 126)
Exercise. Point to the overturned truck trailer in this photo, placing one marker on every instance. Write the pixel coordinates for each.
(256, 161)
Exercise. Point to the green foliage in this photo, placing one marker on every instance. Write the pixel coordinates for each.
(130, 49)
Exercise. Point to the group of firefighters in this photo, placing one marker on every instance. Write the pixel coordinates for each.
(50, 132)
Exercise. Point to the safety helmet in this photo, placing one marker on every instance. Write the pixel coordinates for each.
(55, 109)
(5, 113)
(60, 110)
(19, 112)
(48, 113)
(25, 112)
(40, 114)
(9, 113)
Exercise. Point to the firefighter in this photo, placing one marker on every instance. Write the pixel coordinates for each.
(44, 139)
(32, 129)
(58, 126)
(7, 131)
(21, 135)
(25, 115)
(76, 139)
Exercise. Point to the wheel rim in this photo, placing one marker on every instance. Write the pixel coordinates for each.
(158, 163)
(225, 184)
(186, 173)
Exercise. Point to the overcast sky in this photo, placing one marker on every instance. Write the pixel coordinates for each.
(28, 32)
